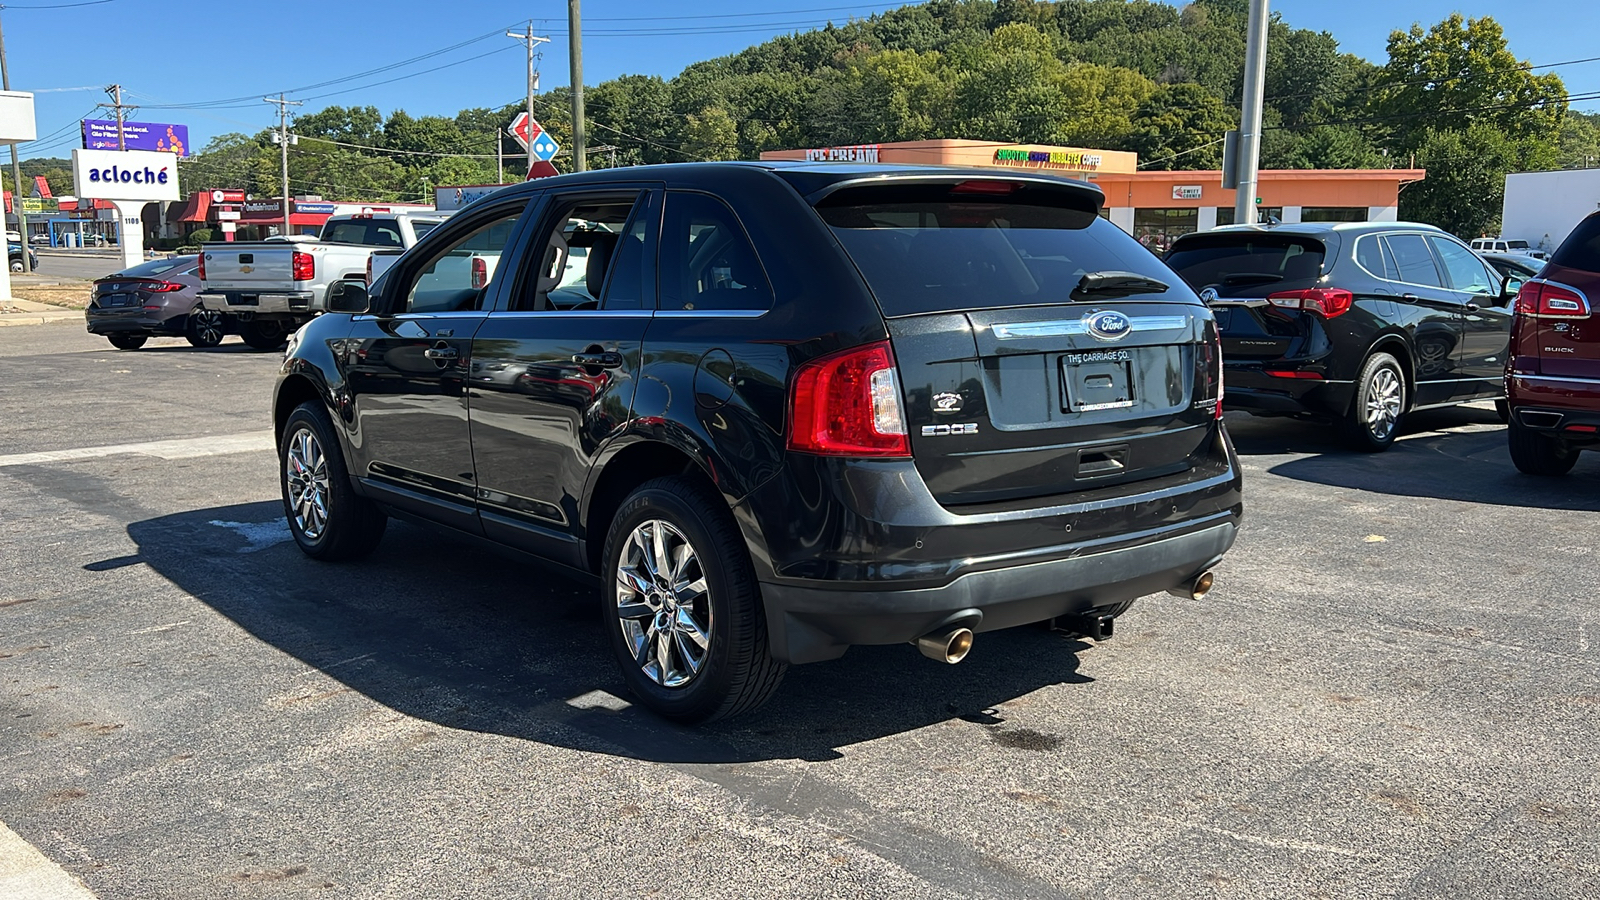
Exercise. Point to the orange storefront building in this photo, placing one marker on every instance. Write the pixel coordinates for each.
(1155, 206)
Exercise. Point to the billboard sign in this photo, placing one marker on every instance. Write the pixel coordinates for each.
(125, 175)
(101, 134)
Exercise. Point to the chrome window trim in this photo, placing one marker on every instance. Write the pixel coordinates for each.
(1060, 327)
(713, 313)
(563, 313)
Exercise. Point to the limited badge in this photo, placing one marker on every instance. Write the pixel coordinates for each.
(947, 402)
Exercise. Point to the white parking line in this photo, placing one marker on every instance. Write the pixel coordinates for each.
(25, 872)
(186, 448)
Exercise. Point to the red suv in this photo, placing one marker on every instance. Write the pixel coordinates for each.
(1553, 374)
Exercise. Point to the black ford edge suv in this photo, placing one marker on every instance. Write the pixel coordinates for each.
(1358, 323)
(778, 409)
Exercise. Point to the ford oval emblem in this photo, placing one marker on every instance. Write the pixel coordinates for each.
(1108, 325)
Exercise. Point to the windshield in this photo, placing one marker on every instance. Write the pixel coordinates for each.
(159, 267)
(929, 248)
(1245, 265)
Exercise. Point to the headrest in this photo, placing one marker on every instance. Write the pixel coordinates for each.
(599, 259)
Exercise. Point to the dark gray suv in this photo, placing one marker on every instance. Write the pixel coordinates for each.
(1357, 323)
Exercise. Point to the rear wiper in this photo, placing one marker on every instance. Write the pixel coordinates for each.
(1116, 284)
(1252, 278)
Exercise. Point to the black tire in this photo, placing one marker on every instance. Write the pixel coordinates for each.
(1379, 406)
(737, 672)
(204, 328)
(350, 525)
(16, 265)
(1536, 453)
(1502, 409)
(127, 340)
(264, 334)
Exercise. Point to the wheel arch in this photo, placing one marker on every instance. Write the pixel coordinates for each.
(1396, 346)
(294, 389)
(631, 464)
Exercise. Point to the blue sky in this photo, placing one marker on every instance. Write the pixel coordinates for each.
(225, 54)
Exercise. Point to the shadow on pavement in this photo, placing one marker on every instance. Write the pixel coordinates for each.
(1439, 455)
(443, 630)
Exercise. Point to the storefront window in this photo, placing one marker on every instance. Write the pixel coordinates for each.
(1225, 214)
(1158, 228)
(1333, 214)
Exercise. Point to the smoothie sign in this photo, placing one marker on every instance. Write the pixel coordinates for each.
(1049, 159)
(125, 174)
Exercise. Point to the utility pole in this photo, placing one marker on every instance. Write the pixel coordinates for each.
(1255, 72)
(116, 104)
(575, 44)
(499, 156)
(533, 77)
(16, 175)
(283, 145)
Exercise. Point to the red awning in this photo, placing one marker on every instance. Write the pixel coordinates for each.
(198, 209)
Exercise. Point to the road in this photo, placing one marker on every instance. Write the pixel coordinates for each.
(1392, 693)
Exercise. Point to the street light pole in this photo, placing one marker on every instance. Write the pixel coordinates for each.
(533, 78)
(16, 174)
(575, 43)
(1255, 72)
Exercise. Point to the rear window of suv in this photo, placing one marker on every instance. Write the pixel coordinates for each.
(1581, 249)
(1247, 264)
(942, 247)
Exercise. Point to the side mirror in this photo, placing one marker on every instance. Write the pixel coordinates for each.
(348, 297)
(1510, 289)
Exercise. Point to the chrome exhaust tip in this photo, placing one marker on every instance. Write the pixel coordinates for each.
(1195, 589)
(951, 646)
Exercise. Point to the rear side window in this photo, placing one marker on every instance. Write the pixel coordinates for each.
(1374, 257)
(1413, 259)
(1581, 249)
(1248, 264)
(707, 261)
(937, 248)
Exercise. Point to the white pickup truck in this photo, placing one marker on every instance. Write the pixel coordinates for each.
(274, 286)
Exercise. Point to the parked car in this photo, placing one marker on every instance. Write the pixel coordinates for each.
(1553, 374)
(1503, 245)
(156, 298)
(1513, 268)
(271, 287)
(16, 258)
(1357, 323)
(802, 407)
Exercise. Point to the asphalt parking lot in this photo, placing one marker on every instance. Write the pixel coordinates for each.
(1393, 692)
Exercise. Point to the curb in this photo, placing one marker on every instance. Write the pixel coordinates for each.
(40, 318)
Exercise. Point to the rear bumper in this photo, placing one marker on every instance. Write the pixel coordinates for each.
(859, 552)
(1248, 388)
(1570, 394)
(273, 303)
(810, 624)
(115, 323)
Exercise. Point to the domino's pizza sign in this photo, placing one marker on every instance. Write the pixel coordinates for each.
(545, 148)
(125, 175)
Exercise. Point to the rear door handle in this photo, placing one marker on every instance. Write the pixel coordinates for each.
(605, 360)
(439, 353)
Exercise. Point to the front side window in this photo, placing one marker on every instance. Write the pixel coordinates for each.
(1465, 270)
(458, 277)
(707, 260)
(1413, 260)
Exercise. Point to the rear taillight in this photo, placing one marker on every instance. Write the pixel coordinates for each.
(369, 268)
(848, 404)
(303, 266)
(480, 272)
(202, 271)
(1211, 373)
(164, 287)
(1549, 300)
(1326, 302)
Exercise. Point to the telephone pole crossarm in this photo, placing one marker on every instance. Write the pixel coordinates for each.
(533, 77)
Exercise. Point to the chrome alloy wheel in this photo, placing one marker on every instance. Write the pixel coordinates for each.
(306, 478)
(1384, 395)
(663, 604)
(207, 326)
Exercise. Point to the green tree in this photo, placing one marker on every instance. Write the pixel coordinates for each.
(1465, 185)
(1180, 126)
(1458, 74)
(711, 134)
